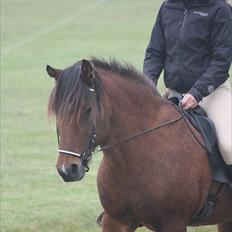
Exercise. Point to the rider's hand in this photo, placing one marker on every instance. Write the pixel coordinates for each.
(188, 102)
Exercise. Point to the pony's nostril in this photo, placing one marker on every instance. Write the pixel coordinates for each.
(73, 170)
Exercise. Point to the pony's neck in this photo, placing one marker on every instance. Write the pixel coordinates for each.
(135, 105)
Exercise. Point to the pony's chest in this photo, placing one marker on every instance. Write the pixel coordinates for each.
(128, 202)
(130, 208)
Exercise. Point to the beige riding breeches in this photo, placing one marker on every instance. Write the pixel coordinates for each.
(218, 107)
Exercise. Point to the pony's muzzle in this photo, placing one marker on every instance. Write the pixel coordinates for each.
(71, 172)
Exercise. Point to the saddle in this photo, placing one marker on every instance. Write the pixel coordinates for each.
(199, 120)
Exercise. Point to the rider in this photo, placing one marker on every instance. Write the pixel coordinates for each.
(192, 41)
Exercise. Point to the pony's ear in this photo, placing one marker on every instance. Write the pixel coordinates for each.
(52, 72)
(87, 73)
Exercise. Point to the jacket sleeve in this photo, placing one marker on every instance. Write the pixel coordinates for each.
(221, 43)
(156, 51)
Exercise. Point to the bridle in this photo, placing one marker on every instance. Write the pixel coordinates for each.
(86, 155)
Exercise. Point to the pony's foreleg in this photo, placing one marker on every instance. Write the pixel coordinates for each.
(110, 224)
(227, 227)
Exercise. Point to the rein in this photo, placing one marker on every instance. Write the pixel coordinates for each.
(138, 134)
(87, 153)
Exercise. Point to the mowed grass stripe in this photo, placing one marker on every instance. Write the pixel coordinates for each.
(49, 28)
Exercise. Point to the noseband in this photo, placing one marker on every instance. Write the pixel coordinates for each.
(86, 154)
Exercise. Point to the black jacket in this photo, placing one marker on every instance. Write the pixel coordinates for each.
(193, 44)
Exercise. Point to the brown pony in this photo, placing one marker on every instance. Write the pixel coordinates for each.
(159, 179)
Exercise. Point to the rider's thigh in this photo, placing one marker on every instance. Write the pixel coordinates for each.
(218, 108)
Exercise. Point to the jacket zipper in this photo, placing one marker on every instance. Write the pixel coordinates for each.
(183, 23)
(181, 32)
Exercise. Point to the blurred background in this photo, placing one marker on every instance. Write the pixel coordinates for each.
(56, 32)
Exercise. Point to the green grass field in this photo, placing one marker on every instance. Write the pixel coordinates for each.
(55, 32)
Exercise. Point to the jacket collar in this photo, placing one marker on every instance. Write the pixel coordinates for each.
(178, 4)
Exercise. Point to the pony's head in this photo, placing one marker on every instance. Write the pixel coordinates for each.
(79, 104)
